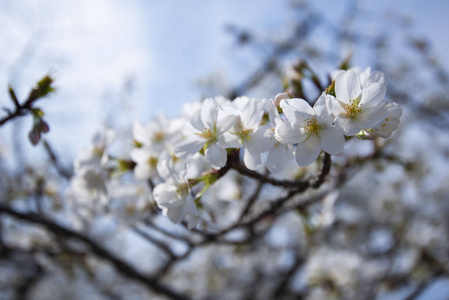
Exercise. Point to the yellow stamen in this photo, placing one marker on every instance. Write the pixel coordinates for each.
(312, 128)
(152, 161)
(245, 135)
(159, 137)
(206, 134)
(354, 107)
(98, 152)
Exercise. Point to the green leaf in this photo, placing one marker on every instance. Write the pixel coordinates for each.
(43, 88)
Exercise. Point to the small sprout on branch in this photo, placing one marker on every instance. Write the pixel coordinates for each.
(39, 126)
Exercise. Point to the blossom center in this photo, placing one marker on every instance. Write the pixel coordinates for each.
(206, 134)
(174, 158)
(152, 161)
(354, 107)
(159, 137)
(182, 190)
(246, 134)
(98, 152)
(312, 127)
(272, 133)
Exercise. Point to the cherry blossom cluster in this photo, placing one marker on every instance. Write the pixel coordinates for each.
(175, 154)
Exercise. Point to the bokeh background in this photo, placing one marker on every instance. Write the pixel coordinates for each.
(118, 62)
(147, 57)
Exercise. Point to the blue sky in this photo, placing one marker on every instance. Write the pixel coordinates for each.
(93, 47)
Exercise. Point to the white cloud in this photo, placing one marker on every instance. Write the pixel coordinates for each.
(91, 47)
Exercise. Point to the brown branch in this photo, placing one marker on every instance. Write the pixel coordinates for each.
(165, 248)
(42, 88)
(251, 201)
(19, 111)
(54, 159)
(290, 184)
(297, 185)
(283, 284)
(325, 169)
(121, 266)
(155, 227)
(272, 61)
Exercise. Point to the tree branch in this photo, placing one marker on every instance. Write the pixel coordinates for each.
(121, 266)
(42, 89)
(297, 185)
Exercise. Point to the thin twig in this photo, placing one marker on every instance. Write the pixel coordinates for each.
(121, 266)
(54, 159)
(155, 242)
(251, 200)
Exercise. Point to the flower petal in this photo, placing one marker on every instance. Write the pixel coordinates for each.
(225, 123)
(140, 133)
(296, 110)
(261, 140)
(336, 107)
(164, 194)
(272, 112)
(385, 131)
(252, 113)
(216, 155)
(144, 171)
(376, 76)
(252, 160)
(373, 95)
(193, 220)
(321, 111)
(286, 133)
(332, 140)
(188, 146)
(276, 159)
(209, 113)
(240, 103)
(175, 212)
(196, 122)
(307, 151)
(371, 117)
(394, 110)
(346, 125)
(140, 155)
(191, 212)
(347, 86)
(229, 140)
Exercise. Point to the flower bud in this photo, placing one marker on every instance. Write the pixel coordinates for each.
(43, 126)
(279, 97)
(35, 135)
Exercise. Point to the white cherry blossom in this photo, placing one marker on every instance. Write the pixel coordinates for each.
(208, 130)
(157, 134)
(91, 163)
(247, 131)
(91, 179)
(279, 154)
(146, 160)
(310, 128)
(173, 196)
(96, 153)
(367, 76)
(355, 108)
(391, 123)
